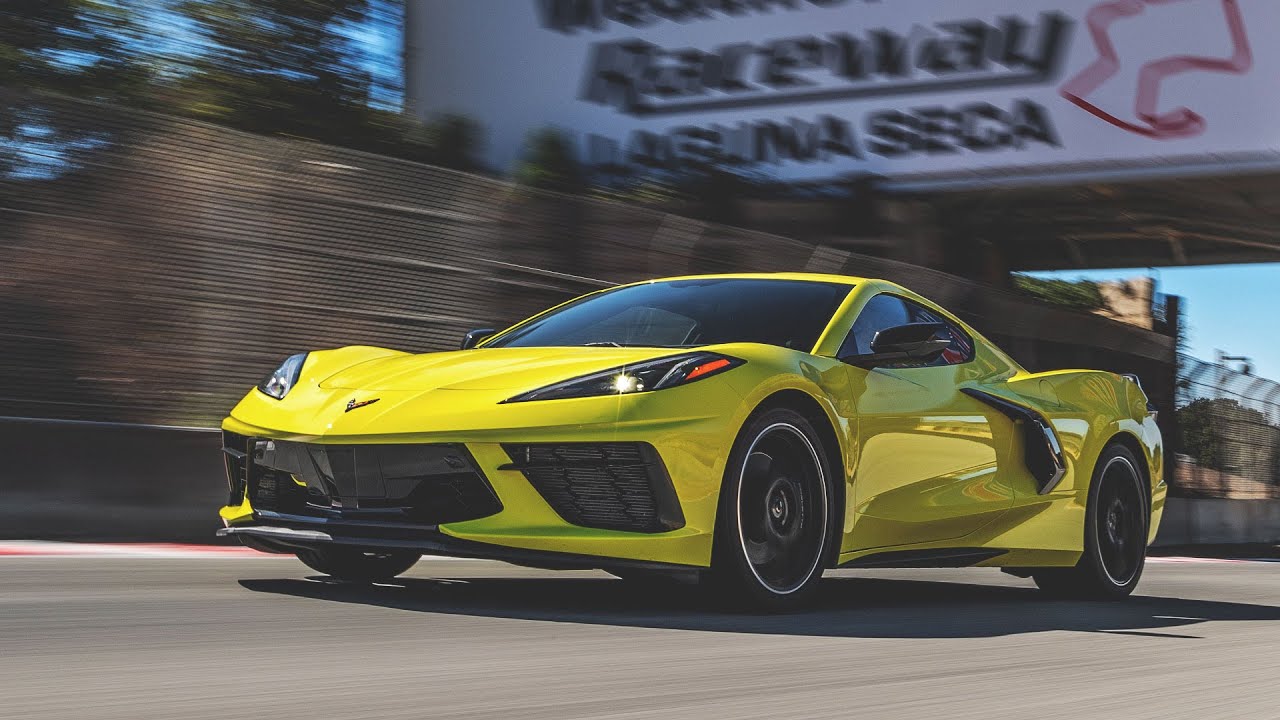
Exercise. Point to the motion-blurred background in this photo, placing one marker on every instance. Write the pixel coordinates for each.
(191, 190)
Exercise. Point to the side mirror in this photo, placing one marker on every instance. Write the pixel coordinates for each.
(474, 337)
(916, 342)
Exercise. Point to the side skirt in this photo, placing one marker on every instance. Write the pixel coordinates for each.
(934, 558)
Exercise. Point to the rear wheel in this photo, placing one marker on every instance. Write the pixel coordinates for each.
(356, 565)
(773, 528)
(1115, 541)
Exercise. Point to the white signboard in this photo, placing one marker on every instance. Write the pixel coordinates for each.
(810, 89)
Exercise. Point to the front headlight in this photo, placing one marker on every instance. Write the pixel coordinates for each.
(279, 383)
(641, 377)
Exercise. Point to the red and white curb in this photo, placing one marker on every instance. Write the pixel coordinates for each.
(41, 548)
(1175, 560)
(37, 548)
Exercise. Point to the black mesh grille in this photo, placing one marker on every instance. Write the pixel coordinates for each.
(611, 486)
(420, 484)
(234, 453)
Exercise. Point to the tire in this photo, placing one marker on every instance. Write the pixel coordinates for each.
(774, 523)
(356, 565)
(1117, 520)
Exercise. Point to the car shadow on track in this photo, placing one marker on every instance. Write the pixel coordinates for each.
(845, 607)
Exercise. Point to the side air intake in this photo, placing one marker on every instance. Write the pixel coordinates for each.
(609, 486)
(1042, 452)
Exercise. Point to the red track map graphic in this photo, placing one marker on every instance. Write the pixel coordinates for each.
(1178, 123)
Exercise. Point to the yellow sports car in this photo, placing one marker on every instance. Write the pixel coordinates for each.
(744, 431)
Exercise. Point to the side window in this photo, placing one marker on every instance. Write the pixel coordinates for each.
(961, 348)
(884, 311)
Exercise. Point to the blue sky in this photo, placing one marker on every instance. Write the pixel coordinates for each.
(378, 42)
(375, 44)
(1227, 307)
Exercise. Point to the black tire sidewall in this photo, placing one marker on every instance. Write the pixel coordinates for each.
(353, 565)
(731, 574)
(1091, 568)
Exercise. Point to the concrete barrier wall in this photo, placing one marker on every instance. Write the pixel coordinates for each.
(1220, 522)
(90, 481)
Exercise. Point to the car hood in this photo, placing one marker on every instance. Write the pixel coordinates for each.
(486, 368)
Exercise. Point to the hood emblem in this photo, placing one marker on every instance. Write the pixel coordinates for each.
(353, 404)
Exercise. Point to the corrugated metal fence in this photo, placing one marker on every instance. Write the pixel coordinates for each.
(1229, 432)
(152, 268)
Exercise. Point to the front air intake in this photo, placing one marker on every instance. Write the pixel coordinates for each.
(418, 484)
(608, 486)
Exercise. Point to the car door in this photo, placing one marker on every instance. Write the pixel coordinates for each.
(929, 460)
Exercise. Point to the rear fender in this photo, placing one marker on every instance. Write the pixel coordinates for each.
(1088, 410)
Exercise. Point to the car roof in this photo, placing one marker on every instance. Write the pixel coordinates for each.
(849, 280)
(801, 276)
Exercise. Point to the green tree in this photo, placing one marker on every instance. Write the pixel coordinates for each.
(454, 141)
(1077, 295)
(1196, 435)
(279, 67)
(81, 47)
(717, 191)
(300, 68)
(551, 163)
(84, 48)
(1220, 433)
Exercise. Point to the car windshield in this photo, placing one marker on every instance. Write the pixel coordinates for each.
(685, 313)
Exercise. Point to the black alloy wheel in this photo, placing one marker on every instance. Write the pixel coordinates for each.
(774, 534)
(1121, 528)
(1117, 522)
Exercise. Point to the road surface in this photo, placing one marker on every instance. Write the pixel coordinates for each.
(261, 637)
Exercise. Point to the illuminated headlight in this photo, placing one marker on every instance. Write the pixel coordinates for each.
(279, 383)
(642, 377)
(624, 383)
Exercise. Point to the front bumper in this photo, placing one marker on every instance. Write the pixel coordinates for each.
(281, 535)
(527, 529)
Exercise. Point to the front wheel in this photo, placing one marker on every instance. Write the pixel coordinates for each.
(356, 565)
(773, 531)
(1115, 540)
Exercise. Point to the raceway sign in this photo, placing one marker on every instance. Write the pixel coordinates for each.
(818, 88)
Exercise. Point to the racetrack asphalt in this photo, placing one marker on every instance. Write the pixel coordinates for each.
(262, 637)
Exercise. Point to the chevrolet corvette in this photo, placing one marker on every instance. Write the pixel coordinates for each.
(744, 432)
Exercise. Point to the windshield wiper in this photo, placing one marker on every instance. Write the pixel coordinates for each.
(603, 343)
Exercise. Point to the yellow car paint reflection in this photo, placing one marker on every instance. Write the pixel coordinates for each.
(922, 464)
